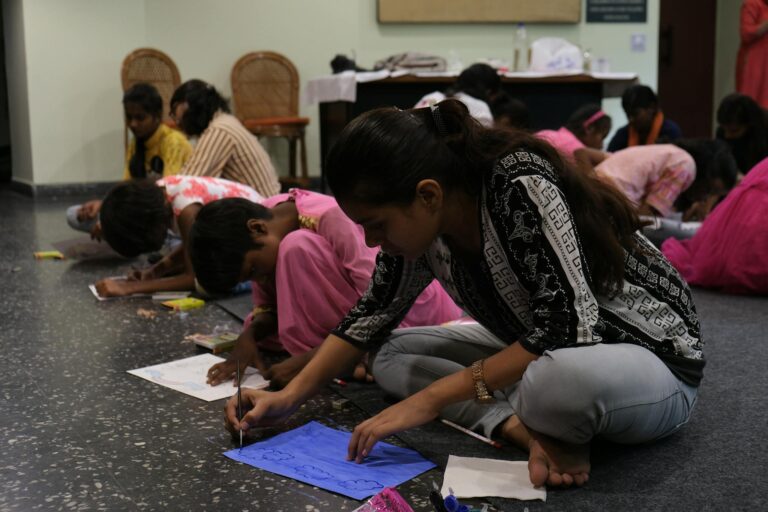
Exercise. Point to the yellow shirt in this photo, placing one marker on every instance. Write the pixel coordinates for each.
(170, 145)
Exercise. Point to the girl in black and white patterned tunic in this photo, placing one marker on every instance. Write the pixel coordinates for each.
(583, 328)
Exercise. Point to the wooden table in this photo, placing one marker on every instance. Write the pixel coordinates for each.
(550, 99)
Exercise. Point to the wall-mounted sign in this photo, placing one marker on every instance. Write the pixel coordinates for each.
(617, 11)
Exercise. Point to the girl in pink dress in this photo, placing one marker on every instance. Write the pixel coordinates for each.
(580, 141)
(730, 250)
(309, 265)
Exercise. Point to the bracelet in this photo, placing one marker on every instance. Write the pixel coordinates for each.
(482, 396)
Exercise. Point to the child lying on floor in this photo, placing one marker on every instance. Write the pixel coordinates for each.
(136, 217)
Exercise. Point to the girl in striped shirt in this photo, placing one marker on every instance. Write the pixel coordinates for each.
(225, 148)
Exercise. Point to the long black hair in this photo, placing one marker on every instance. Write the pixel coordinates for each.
(380, 157)
(219, 240)
(752, 147)
(203, 101)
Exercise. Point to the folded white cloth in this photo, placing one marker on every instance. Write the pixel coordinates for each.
(340, 87)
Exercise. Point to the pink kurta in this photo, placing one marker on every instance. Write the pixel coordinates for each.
(655, 174)
(322, 270)
(752, 63)
(730, 250)
(563, 140)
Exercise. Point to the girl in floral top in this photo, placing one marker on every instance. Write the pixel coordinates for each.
(584, 329)
(136, 217)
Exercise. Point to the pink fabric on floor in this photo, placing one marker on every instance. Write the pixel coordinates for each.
(730, 250)
(322, 270)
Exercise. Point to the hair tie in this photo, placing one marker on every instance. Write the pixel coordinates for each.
(438, 119)
(594, 117)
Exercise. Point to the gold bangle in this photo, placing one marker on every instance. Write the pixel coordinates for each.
(482, 396)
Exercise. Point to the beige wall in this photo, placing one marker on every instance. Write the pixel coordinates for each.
(74, 49)
(18, 99)
(726, 48)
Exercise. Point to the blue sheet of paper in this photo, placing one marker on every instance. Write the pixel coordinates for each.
(316, 454)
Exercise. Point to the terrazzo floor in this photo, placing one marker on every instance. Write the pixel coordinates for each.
(79, 433)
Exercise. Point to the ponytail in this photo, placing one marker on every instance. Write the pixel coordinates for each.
(381, 156)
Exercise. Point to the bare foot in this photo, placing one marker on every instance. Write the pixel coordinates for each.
(556, 463)
(515, 432)
(361, 374)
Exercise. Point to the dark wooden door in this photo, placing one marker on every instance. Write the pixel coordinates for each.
(687, 63)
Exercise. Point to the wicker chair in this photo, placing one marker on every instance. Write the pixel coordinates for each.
(153, 67)
(265, 94)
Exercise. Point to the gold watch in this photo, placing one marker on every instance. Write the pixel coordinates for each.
(482, 396)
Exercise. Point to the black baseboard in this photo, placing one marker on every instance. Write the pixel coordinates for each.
(62, 190)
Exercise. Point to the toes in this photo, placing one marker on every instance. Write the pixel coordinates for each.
(555, 479)
(538, 471)
(581, 478)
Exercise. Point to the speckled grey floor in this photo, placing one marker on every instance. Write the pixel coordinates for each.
(79, 433)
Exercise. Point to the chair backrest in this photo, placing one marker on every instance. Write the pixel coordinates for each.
(153, 67)
(265, 84)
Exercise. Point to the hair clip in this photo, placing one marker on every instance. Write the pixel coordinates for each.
(594, 117)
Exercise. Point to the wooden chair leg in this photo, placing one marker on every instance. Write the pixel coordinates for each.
(303, 148)
(292, 156)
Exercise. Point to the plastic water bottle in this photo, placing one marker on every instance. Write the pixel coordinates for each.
(521, 48)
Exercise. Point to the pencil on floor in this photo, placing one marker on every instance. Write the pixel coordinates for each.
(477, 436)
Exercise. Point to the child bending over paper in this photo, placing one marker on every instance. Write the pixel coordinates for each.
(309, 264)
(135, 219)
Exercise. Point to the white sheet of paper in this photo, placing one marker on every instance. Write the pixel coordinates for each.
(188, 376)
(160, 296)
(473, 477)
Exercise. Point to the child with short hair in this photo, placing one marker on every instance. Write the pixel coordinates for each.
(681, 182)
(647, 124)
(137, 215)
(476, 87)
(309, 265)
(510, 113)
(743, 125)
(662, 179)
(156, 150)
(580, 141)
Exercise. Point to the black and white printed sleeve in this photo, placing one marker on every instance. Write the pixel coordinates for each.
(530, 231)
(395, 285)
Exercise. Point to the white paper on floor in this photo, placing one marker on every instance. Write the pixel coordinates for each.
(473, 477)
(188, 376)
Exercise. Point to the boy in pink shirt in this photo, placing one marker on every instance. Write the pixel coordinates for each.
(309, 265)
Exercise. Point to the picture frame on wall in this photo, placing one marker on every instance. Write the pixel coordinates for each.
(479, 11)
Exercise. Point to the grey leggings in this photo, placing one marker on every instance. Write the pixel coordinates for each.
(620, 392)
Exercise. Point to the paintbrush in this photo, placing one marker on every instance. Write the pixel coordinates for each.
(239, 404)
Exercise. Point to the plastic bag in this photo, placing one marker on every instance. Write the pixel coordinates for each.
(555, 54)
